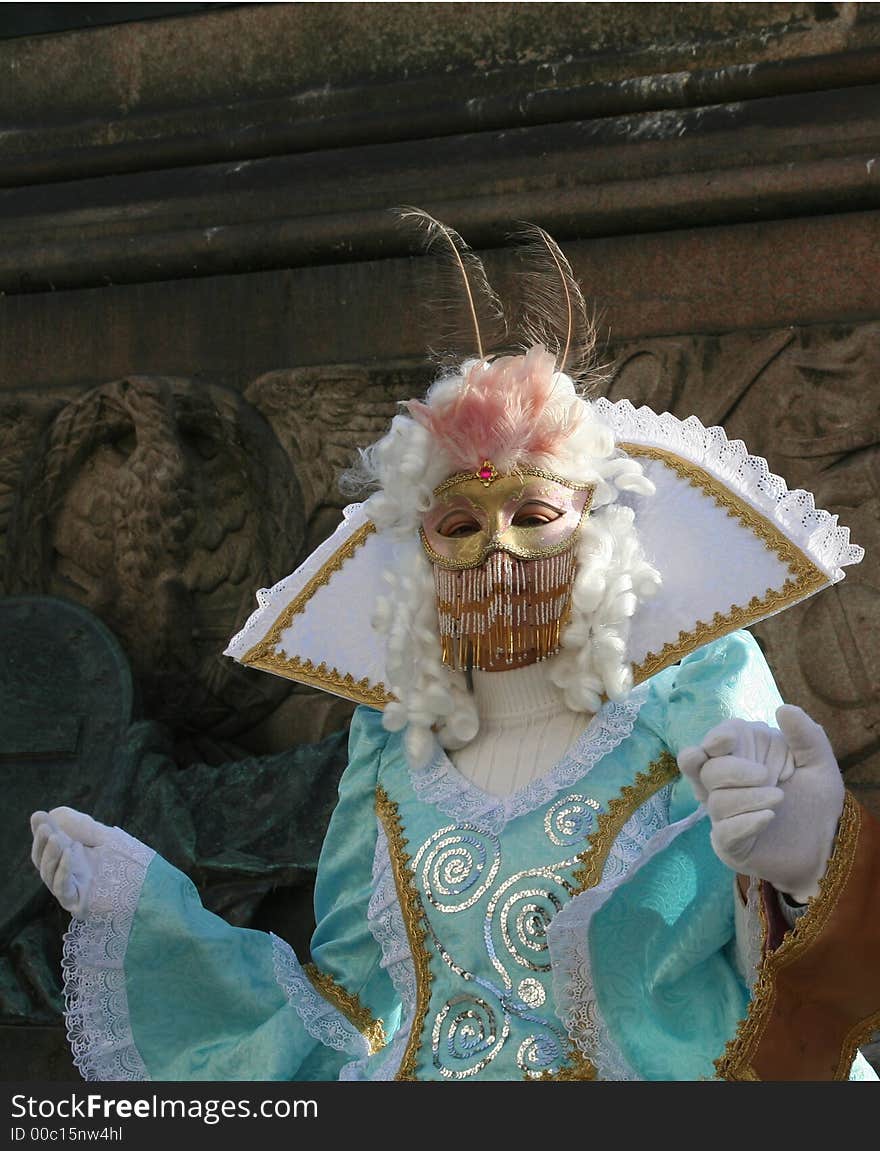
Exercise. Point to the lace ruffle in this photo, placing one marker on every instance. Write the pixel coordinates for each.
(96, 1002)
(814, 531)
(320, 1018)
(639, 829)
(389, 930)
(751, 943)
(568, 933)
(452, 793)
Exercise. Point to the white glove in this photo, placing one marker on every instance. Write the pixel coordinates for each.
(64, 854)
(774, 798)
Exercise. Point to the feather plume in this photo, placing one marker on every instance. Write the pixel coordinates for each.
(503, 413)
(552, 310)
(471, 316)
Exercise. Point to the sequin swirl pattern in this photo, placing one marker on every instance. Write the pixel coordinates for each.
(523, 916)
(503, 995)
(457, 866)
(468, 1028)
(570, 820)
(539, 1053)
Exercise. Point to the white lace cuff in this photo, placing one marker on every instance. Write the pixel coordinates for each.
(320, 1018)
(96, 1003)
(749, 933)
(791, 912)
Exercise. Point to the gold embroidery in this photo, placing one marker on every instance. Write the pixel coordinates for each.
(263, 655)
(758, 608)
(748, 1074)
(328, 679)
(576, 1068)
(416, 927)
(348, 1005)
(860, 1034)
(735, 1063)
(609, 824)
(806, 578)
(592, 859)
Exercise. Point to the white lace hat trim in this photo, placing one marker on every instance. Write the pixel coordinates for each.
(816, 532)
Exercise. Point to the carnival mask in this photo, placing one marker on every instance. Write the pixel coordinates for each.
(529, 514)
(503, 556)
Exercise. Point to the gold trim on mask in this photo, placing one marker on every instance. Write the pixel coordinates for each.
(505, 613)
(519, 553)
(487, 473)
(539, 473)
(516, 540)
(806, 578)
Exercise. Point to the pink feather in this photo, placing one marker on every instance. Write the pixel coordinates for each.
(499, 414)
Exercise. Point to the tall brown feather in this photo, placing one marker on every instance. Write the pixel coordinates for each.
(552, 309)
(466, 312)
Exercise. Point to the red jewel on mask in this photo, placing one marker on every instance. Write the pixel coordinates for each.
(487, 473)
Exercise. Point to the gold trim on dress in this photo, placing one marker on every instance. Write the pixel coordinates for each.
(416, 927)
(805, 579)
(592, 859)
(263, 654)
(735, 1064)
(610, 823)
(860, 1034)
(577, 1068)
(348, 1005)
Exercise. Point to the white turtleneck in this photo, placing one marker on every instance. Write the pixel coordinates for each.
(525, 728)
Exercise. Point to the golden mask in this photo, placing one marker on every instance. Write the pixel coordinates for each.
(530, 514)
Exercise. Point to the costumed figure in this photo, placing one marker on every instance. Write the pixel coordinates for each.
(579, 836)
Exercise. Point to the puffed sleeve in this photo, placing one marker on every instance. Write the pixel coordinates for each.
(724, 680)
(727, 678)
(830, 968)
(157, 987)
(644, 963)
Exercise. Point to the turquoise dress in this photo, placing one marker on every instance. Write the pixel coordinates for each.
(580, 928)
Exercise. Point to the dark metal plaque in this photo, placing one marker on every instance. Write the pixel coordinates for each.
(65, 701)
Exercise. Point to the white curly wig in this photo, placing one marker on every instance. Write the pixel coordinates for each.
(549, 426)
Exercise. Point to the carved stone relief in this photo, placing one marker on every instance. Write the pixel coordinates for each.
(808, 400)
(321, 416)
(158, 504)
(162, 505)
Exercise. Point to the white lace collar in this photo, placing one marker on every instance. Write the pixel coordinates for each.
(442, 784)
